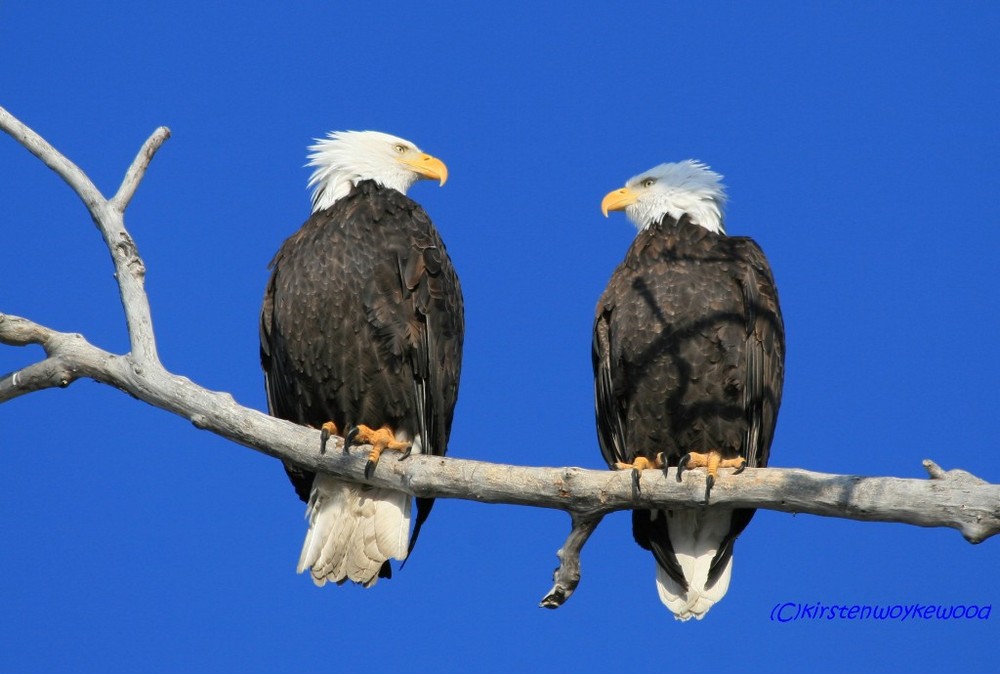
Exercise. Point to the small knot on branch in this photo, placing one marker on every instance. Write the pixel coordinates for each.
(566, 482)
(934, 470)
(956, 475)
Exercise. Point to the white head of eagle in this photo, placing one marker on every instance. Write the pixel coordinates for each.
(345, 158)
(685, 188)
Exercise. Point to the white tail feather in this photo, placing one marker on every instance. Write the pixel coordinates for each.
(695, 537)
(353, 530)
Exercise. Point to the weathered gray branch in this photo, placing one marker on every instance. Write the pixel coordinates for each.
(950, 498)
(109, 216)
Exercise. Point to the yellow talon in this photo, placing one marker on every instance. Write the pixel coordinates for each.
(380, 440)
(326, 430)
(642, 463)
(713, 461)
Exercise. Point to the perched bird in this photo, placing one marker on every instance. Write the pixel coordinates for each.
(361, 335)
(688, 358)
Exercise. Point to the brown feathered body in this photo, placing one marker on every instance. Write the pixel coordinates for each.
(362, 323)
(688, 356)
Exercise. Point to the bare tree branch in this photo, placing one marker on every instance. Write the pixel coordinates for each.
(109, 216)
(953, 498)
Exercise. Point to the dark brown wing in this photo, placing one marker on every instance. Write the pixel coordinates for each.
(765, 350)
(362, 323)
(425, 337)
(764, 353)
(609, 410)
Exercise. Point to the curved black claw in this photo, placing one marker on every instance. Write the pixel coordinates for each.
(635, 480)
(405, 454)
(369, 469)
(709, 483)
(682, 464)
(743, 467)
(349, 436)
(324, 435)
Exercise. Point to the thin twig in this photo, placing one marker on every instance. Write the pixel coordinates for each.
(567, 574)
(138, 168)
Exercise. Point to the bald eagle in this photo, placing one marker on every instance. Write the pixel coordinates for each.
(361, 335)
(688, 355)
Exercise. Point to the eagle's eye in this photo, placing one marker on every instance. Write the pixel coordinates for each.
(648, 182)
(400, 148)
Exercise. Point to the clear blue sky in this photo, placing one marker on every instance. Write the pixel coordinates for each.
(860, 146)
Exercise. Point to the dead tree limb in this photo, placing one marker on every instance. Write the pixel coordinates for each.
(953, 498)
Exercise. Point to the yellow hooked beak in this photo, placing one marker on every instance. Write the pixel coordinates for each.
(618, 200)
(428, 167)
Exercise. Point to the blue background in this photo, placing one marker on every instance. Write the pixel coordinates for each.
(859, 142)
